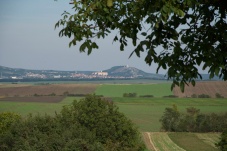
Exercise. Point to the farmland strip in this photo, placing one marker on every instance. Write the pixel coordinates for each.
(162, 142)
(151, 142)
(209, 138)
(148, 141)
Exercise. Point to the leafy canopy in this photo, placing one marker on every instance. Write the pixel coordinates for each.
(189, 33)
(91, 124)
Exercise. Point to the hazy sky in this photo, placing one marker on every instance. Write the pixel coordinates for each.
(28, 40)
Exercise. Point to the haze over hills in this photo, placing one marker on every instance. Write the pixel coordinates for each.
(118, 72)
(126, 71)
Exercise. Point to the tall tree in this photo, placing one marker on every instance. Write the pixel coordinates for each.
(190, 33)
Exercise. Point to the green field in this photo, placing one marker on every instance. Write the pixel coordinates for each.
(144, 112)
(167, 141)
(196, 144)
(24, 108)
(117, 90)
(147, 112)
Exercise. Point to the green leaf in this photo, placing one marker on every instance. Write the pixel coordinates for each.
(134, 42)
(172, 86)
(164, 66)
(157, 25)
(82, 47)
(115, 38)
(181, 13)
(193, 82)
(122, 47)
(89, 50)
(109, 3)
(70, 44)
(217, 71)
(165, 9)
(94, 45)
(144, 33)
(182, 86)
(211, 75)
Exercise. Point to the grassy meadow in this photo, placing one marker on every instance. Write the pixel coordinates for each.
(144, 112)
(117, 90)
(24, 108)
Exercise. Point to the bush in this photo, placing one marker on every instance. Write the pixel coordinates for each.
(91, 124)
(203, 96)
(7, 119)
(170, 96)
(129, 95)
(110, 127)
(194, 96)
(66, 93)
(218, 95)
(52, 94)
(146, 96)
(170, 119)
(222, 144)
(36, 95)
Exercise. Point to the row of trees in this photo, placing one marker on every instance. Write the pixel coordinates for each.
(92, 124)
(192, 121)
(217, 95)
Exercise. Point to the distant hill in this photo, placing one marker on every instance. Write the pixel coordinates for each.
(126, 71)
(114, 72)
(207, 77)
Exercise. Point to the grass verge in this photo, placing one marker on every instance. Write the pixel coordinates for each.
(190, 142)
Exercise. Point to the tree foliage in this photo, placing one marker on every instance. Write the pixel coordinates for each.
(193, 121)
(222, 144)
(92, 124)
(189, 33)
(7, 119)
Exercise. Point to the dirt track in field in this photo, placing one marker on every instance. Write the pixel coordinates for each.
(210, 88)
(41, 99)
(148, 142)
(58, 89)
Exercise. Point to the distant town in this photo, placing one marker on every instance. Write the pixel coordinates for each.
(117, 72)
(56, 75)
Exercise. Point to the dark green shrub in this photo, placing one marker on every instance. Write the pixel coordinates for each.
(91, 124)
(108, 124)
(170, 119)
(218, 95)
(170, 96)
(7, 119)
(194, 96)
(129, 95)
(203, 96)
(146, 96)
(66, 93)
(222, 144)
(52, 94)
(36, 95)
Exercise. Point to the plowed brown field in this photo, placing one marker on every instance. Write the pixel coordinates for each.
(210, 88)
(58, 89)
(42, 99)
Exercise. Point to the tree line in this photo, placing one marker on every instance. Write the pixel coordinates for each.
(193, 121)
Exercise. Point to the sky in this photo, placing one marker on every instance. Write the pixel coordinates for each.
(29, 40)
